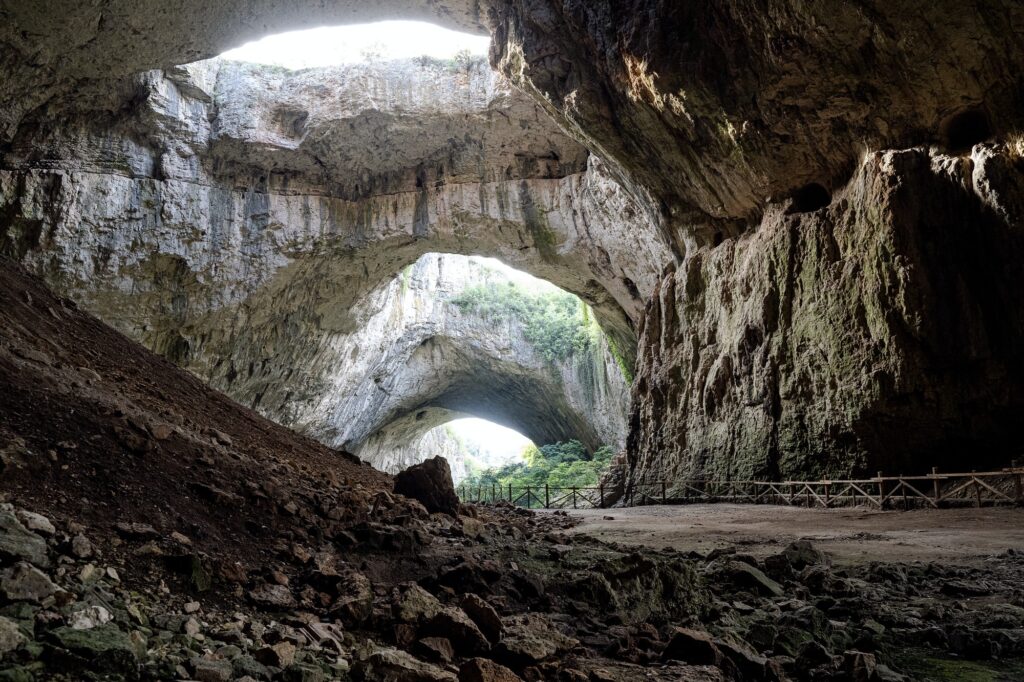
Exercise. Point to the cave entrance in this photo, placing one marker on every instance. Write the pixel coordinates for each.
(469, 347)
(327, 46)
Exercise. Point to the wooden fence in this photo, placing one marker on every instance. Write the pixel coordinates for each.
(934, 490)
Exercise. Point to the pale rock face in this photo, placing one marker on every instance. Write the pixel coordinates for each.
(418, 362)
(282, 292)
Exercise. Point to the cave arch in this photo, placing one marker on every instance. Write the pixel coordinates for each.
(433, 362)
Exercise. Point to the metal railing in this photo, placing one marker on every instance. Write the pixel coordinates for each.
(935, 490)
(536, 496)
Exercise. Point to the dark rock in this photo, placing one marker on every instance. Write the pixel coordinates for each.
(529, 639)
(213, 671)
(392, 665)
(693, 647)
(415, 605)
(802, 553)
(104, 649)
(273, 596)
(354, 602)
(435, 649)
(431, 484)
(454, 625)
(25, 582)
(10, 636)
(17, 543)
(484, 615)
(485, 670)
(279, 655)
(137, 531)
(746, 576)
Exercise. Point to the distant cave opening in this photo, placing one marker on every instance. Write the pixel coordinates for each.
(810, 198)
(468, 336)
(964, 130)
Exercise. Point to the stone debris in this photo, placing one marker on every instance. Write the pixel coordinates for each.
(430, 483)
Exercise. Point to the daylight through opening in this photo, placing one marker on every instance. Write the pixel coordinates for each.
(335, 45)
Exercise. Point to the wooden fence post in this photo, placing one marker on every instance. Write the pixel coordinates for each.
(906, 502)
(510, 493)
(547, 496)
(827, 487)
(1017, 484)
(574, 497)
(977, 487)
(600, 489)
(494, 492)
(935, 485)
(881, 491)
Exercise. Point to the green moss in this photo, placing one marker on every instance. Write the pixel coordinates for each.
(921, 666)
(620, 360)
(555, 323)
(406, 278)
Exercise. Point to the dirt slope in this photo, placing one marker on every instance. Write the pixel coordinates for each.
(95, 427)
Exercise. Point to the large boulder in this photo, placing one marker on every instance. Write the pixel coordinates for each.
(17, 542)
(430, 483)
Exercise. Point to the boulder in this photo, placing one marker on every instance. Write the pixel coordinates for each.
(802, 553)
(485, 670)
(37, 523)
(415, 605)
(435, 649)
(279, 655)
(749, 577)
(529, 639)
(25, 582)
(431, 484)
(454, 625)
(693, 647)
(392, 665)
(273, 596)
(10, 636)
(213, 671)
(104, 649)
(354, 602)
(484, 615)
(17, 543)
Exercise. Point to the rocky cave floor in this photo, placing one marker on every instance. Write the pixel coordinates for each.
(152, 529)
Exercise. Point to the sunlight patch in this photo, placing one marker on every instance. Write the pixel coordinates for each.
(384, 40)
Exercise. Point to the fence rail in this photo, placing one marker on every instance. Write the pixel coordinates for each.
(934, 490)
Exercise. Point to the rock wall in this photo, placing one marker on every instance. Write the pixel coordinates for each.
(418, 362)
(223, 201)
(712, 119)
(877, 333)
(248, 222)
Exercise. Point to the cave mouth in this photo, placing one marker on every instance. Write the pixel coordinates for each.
(471, 337)
(327, 46)
(472, 444)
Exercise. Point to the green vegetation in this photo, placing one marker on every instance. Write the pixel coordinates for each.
(463, 62)
(559, 465)
(555, 323)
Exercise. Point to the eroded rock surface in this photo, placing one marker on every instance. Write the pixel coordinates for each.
(877, 333)
(419, 361)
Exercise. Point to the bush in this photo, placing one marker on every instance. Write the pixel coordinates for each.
(555, 323)
(559, 465)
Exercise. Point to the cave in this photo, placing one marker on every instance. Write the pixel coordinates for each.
(262, 263)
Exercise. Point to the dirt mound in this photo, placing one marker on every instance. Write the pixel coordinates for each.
(95, 427)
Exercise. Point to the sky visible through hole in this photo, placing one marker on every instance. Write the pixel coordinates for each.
(334, 45)
(498, 444)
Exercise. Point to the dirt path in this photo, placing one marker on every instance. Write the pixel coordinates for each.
(962, 536)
